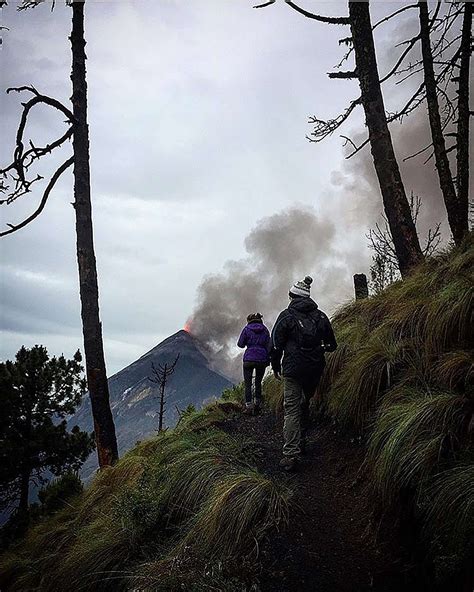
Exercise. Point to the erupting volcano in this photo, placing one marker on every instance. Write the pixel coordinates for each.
(134, 399)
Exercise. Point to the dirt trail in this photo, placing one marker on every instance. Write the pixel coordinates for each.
(329, 545)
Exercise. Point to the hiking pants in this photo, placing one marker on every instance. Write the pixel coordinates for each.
(296, 399)
(249, 368)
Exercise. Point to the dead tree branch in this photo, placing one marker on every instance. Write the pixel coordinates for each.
(332, 20)
(396, 13)
(15, 182)
(354, 145)
(347, 75)
(323, 128)
(385, 268)
(44, 199)
(160, 376)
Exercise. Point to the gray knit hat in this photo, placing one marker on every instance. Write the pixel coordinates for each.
(302, 287)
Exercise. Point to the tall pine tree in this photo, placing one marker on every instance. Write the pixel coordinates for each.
(37, 394)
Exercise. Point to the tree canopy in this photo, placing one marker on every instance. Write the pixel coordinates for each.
(37, 395)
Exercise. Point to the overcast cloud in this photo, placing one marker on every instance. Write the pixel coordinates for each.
(197, 115)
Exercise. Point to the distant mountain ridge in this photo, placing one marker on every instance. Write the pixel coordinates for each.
(134, 398)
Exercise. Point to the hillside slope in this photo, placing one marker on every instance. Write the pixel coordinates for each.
(384, 499)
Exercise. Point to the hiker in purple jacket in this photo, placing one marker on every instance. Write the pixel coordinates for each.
(256, 338)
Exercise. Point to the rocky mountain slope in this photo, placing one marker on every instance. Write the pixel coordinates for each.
(134, 399)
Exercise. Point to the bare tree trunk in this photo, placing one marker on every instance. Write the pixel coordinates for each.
(439, 145)
(24, 491)
(92, 329)
(396, 206)
(462, 156)
(26, 461)
(162, 405)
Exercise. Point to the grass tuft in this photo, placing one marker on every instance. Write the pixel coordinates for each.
(190, 489)
(415, 431)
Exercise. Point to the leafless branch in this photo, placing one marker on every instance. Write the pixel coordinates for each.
(411, 69)
(433, 19)
(22, 159)
(390, 16)
(14, 181)
(161, 375)
(332, 20)
(433, 240)
(384, 268)
(347, 75)
(451, 148)
(411, 44)
(413, 102)
(345, 57)
(265, 4)
(415, 154)
(354, 145)
(323, 129)
(44, 199)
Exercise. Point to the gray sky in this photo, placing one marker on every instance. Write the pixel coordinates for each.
(198, 116)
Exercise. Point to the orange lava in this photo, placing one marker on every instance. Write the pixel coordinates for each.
(187, 326)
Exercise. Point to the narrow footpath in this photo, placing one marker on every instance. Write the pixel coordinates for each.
(331, 543)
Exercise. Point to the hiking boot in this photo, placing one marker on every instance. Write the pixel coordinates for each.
(289, 463)
(257, 409)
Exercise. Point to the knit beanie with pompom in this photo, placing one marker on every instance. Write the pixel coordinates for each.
(302, 288)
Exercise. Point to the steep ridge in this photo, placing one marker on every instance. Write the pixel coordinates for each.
(241, 525)
(134, 399)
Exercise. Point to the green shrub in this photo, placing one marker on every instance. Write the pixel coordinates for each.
(234, 393)
(59, 491)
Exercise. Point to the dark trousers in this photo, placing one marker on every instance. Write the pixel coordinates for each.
(249, 368)
(309, 388)
(297, 394)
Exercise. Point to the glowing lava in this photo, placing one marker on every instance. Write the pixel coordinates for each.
(187, 326)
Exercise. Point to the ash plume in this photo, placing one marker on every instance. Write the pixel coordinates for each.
(280, 250)
(410, 135)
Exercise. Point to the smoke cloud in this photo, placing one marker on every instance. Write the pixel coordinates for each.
(281, 249)
(331, 246)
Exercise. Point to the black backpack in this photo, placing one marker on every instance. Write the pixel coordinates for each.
(310, 335)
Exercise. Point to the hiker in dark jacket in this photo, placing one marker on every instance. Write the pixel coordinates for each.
(256, 338)
(301, 334)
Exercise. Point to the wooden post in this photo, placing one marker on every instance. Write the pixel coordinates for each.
(361, 287)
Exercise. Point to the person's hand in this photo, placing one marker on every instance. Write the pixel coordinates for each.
(276, 375)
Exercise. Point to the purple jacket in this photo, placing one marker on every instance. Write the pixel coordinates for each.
(256, 338)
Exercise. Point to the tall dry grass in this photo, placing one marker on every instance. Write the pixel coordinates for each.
(403, 375)
(190, 492)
